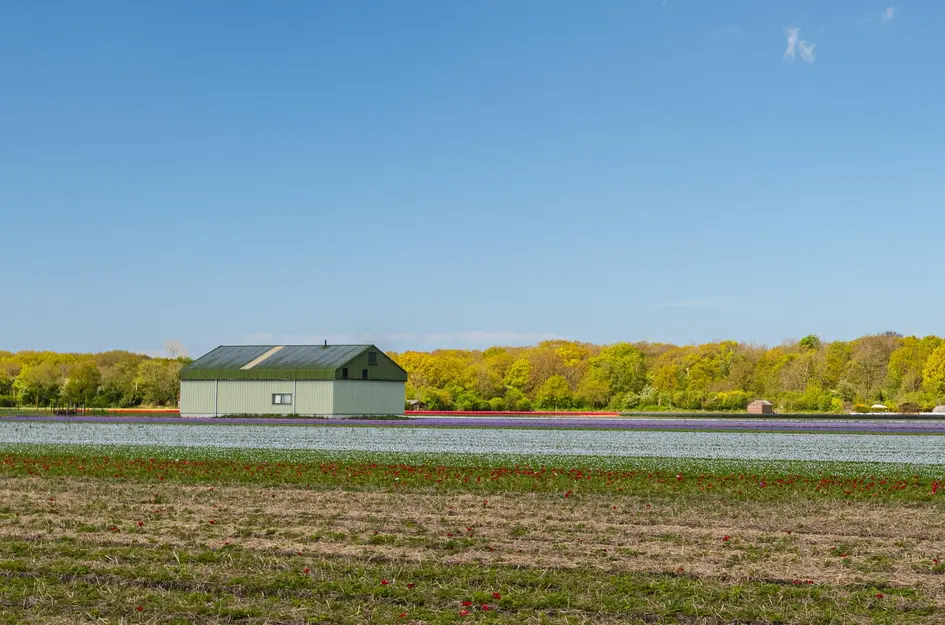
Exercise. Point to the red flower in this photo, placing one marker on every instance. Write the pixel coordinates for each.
(411, 585)
(403, 615)
(880, 595)
(485, 606)
(140, 524)
(384, 582)
(496, 595)
(466, 604)
(306, 570)
(463, 612)
(139, 608)
(212, 522)
(725, 539)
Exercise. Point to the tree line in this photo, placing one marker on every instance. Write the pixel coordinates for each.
(110, 379)
(904, 373)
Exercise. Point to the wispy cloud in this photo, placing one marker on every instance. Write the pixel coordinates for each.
(797, 45)
(792, 36)
(398, 341)
(807, 51)
(889, 13)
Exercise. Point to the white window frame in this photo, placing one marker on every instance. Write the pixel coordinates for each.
(282, 399)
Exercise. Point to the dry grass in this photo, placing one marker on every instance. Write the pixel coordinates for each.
(884, 546)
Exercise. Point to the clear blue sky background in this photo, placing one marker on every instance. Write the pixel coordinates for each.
(434, 174)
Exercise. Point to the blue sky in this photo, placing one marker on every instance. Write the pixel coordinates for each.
(428, 174)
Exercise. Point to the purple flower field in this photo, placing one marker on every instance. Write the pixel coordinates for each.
(868, 426)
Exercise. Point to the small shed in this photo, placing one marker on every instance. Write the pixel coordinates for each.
(415, 405)
(939, 409)
(761, 406)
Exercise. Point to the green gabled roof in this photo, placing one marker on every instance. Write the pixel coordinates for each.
(284, 362)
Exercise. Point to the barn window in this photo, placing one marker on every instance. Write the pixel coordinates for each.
(282, 398)
(372, 358)
(364, 374)
(344, 373)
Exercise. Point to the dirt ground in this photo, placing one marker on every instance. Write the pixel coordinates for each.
(800, 541)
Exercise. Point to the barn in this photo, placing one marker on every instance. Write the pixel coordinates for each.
(760, 406)
(305, 380)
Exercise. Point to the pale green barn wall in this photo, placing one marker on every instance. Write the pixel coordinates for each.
(253, 397)
(354, 397)
(314, 397)
(202, 398)
(197, 397)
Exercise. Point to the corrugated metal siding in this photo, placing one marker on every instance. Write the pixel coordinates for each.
(254, 397)
(356, 397)
(314, 398)
(196, 398)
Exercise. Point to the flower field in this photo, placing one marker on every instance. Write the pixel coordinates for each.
(909, 449)
(164, 523)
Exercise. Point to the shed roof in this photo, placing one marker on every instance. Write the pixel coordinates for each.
(276, 362)
(761, 402)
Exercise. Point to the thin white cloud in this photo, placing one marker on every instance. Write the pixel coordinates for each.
(797, 45)
(807, 51)
(792, 35)
(889, 13)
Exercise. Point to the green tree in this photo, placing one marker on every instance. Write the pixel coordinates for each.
(519, 375)
(158, 381)
(554, 394)
(38, 384)
(593, 391)
(81, 384)
(906, 364)
(118, 385)
(667, 377)
(869, 363)
(934, 373)
(421, 371)
(811, 341)
(623, 366)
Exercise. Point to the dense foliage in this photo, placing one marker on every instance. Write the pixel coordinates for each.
(903, 373)
(110, 379)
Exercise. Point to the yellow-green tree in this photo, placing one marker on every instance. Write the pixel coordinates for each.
(934, 373)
